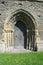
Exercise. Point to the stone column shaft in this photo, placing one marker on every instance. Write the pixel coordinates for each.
(27, 38)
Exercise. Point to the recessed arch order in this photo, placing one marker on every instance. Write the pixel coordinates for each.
(26, 18)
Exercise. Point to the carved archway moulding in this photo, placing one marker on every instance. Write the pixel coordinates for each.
(18, 15)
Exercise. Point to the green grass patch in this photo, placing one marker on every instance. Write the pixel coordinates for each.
(32, 58)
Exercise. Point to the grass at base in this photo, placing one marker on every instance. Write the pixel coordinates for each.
(32, 58)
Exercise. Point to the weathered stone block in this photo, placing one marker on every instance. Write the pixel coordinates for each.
(2, 47)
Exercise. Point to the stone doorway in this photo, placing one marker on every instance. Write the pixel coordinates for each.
(22, 25)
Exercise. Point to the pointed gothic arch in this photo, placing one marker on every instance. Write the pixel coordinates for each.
(29, 21)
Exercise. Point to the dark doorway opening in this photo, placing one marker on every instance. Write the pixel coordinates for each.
(22, 27)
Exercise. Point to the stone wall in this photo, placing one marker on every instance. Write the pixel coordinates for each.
(34, 8)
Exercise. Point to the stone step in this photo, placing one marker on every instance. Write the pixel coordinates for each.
(14, 50)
